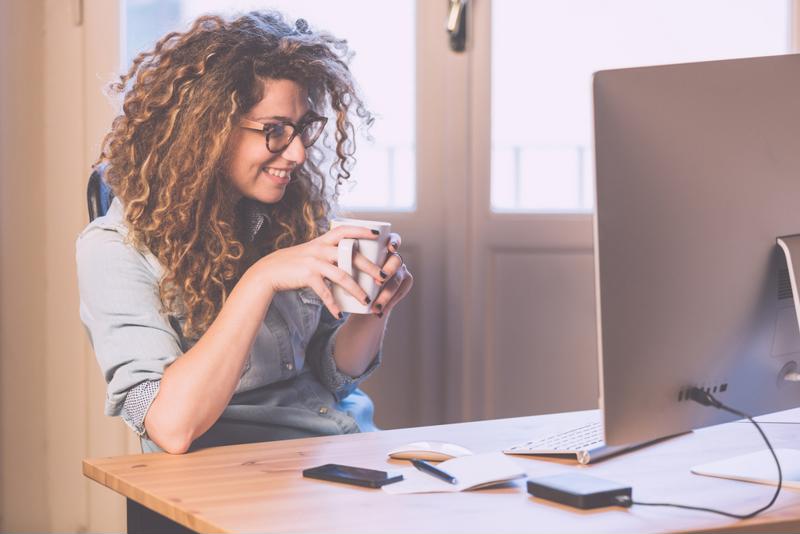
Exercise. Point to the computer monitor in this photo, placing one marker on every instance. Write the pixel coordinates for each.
(698, 173)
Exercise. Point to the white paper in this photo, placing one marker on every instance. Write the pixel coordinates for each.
(470, 471)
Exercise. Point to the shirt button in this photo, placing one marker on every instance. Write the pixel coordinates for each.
(289, 366)
(323, 410)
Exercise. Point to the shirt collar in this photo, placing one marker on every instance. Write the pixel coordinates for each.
(255, 215)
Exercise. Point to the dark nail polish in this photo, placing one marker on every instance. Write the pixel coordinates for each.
(375, 232)
(383, 275)
(367, 300)
(341, 315)
(379, 306)
(380, 315)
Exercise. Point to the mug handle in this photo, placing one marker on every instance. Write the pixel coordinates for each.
(346, 248)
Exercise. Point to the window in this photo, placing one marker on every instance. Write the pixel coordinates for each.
(543, 57)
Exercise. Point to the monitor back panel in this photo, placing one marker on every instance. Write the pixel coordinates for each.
(698, 172)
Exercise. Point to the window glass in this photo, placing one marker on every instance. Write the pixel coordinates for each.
(544, 53)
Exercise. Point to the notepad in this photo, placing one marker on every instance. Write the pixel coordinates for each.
(758, 467)
(472, 472)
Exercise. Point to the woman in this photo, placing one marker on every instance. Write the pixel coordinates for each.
(205, 288)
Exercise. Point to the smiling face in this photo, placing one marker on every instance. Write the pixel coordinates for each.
(254, 171)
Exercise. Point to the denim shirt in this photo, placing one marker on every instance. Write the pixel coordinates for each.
(290, 385)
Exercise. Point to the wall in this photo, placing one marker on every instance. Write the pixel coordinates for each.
(23, 446)
(51, 393)
(65, 376)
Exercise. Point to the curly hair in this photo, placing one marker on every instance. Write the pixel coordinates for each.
(166, 153)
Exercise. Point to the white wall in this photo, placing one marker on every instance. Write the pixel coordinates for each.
(51, 393)
(22, 266)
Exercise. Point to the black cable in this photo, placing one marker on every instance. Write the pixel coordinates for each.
(707, 399)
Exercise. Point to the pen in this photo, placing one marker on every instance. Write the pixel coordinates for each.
(435, 471)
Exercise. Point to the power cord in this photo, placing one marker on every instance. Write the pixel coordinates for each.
(707, 399)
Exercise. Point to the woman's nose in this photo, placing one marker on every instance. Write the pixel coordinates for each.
(295, 152)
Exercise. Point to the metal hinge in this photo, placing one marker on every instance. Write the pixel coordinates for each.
(457, 25)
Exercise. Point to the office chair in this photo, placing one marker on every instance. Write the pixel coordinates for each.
(98, 193)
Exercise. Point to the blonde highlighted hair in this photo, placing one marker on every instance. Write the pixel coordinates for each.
(166, 153)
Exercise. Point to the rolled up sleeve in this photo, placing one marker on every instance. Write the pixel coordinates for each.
(137, 402)
(120, 307)
(320, 356)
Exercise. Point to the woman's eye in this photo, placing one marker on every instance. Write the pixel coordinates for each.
(276, 129)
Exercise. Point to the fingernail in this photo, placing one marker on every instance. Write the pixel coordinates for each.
(375, 232)
(367, 300)
(341, 315)
(383, 275)
(379, 306)
(380, 315)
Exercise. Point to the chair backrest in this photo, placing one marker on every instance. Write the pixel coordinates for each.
(98, 193)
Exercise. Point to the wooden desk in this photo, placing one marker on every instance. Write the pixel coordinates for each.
(259, 487)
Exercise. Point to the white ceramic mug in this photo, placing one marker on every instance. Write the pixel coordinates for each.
(375, 250)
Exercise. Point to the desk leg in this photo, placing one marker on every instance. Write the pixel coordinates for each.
(142, 520)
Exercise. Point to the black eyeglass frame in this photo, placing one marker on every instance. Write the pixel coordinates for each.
(297, 129)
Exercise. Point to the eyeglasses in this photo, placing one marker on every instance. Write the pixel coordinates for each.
(280, 134)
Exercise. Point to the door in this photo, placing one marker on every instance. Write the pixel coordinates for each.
(529, 341)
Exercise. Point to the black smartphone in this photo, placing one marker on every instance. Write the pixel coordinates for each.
(369, 478)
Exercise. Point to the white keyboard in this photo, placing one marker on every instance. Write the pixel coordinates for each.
(585, 442)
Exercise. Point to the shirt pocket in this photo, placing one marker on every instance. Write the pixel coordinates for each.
(309, 296)
(310, 310)
(264, 361)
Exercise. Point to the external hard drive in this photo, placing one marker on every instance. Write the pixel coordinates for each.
(579, 491)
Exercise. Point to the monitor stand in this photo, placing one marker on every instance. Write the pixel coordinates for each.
(759, 467)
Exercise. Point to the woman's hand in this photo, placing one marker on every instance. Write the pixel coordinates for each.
(398, 279)
(361, 336)
(311, 263)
